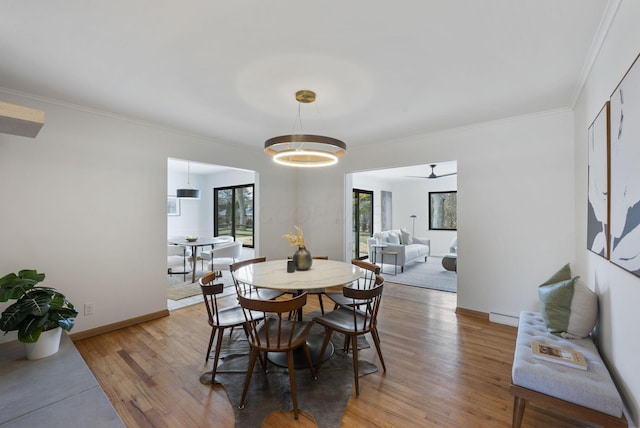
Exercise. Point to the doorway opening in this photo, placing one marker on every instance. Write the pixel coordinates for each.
(396, 201)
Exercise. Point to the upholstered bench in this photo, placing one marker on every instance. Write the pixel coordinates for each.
(587, 395)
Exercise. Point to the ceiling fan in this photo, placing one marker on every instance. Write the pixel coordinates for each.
(433, 174)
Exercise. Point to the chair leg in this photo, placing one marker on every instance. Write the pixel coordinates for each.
(292, 381)
(252, 363)
(308, 355)
(216, 357)
(354, 345)
(213, 333)
(262, 356)
(320, 301)
(376, 340)
(327, 338)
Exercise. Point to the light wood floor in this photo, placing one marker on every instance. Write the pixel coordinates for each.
(443, 370)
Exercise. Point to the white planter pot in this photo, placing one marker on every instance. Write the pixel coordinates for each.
(47, 344)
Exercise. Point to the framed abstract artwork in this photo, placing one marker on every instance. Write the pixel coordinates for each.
(625, 172)
(598, 179)
(443, 210)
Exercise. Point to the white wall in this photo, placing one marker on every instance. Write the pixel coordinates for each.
(85, 203)
(618, 290)
(515, 202)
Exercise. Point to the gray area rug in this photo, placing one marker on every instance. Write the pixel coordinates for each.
(325, 399)
(426, 275)
(178, 289)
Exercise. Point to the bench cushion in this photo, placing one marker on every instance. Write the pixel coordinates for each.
(592, 388)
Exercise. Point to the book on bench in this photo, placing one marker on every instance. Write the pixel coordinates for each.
(560, 355)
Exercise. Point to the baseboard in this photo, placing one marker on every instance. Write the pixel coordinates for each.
(118, 325)
(503, 319)
(472, 313)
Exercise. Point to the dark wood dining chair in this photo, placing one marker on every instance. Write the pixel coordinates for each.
(355, 319)
(273, 331)
(219, 319)
(365, 282)
(249, 290)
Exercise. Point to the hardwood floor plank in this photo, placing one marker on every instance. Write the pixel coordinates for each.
(443, 370)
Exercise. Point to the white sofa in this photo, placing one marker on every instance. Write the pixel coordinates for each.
(408, 249)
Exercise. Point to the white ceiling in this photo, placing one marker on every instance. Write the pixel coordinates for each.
(229, 70)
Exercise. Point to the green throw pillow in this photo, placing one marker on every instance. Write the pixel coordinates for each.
(568, 307)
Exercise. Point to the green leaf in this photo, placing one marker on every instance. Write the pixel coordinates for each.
(57, 301)
(36, 302)
(12, 317)
(31, 274)
(66, 324)
(13, 286)
(7, 279)
(29, 337)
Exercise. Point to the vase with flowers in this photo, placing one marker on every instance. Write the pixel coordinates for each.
(302, 257)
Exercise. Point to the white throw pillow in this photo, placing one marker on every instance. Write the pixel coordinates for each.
(394, 238)
(584, 312)
(407, 239)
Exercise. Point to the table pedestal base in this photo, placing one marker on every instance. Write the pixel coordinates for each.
(314, 343)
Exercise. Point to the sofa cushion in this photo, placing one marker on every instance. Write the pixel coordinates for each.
(413, 251)
(406, 238)
(568, 307)
(393, 237)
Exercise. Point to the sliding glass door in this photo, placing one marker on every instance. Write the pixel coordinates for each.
(362, 208)
(233, 213)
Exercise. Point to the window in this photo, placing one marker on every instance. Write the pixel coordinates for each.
(362, 222)
(233, 213)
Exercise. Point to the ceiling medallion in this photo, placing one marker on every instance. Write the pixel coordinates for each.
(305, 150)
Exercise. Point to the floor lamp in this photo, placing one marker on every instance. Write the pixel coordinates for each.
(413, 228)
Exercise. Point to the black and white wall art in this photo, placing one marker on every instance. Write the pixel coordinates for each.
(625, 172)
(598, 171)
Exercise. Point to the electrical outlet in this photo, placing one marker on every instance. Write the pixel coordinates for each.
(89, 309)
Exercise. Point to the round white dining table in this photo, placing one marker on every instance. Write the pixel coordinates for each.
(323, 273)
(194, 244)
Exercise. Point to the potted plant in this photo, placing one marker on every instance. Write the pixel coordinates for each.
(38, 315)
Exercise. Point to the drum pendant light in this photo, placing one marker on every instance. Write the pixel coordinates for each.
(188, 192)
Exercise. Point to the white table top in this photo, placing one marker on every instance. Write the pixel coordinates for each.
(323, 273)
(198, 242)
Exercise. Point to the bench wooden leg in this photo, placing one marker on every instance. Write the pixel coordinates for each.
(519, 405)
(524, 397)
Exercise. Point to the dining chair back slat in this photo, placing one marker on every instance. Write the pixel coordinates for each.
(249, 290)
(366, 281)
